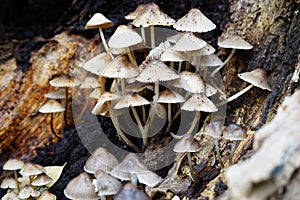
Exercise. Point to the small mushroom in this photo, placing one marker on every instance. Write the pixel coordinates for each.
(106, 185)
(41, 180)
(234, 42)
(10, 195)
(134, 14)
(194, 21)
(187, 144)
(97, 63)
(31, 170)
(9, 183)
(189, 42)
(256, 78)
(129, 192)
(100, 21)
(58, 94)
(46, 195)
(234, 133)
(210, 60)
(100, 159)
(52, 106)
(14, 164)
(27, 192)
(81, 187)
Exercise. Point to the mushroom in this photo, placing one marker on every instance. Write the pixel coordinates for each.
(169, 96)
(58, 94)
(129, 192)
(97, 63)
(41, 180)
(106, 99)
(81, 187)
(256, 78)
(125, 38)
(14, 164)
(27, 192)
(210, 60)
(132, 100)
(234, 133)
(31, 170)
(65, 81)
(206, 50)
(46, 195)
(151, 15)
(194, 21)
(171, 55)
(214, 130)
(234, 42)
(52, 106)
(187, 144)
(189, 42)
(100, 159)
(100, 21)
(105, 185)
(134, 14)
(10, 195)
(9, 183)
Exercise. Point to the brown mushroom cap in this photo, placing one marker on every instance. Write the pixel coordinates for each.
(106, 184)
(199, 102)
(30, 169)
(99, 21)
(187, 144)
(58, 94)
(10, 195)
(100, 159)
(28, 191)
(257, 77)
(124, 37)
(132, 99)
(156, 70)
(235, 42)
(135, 13)
(151, 15)
(51, 106)
(214, 129)
(9, 182)
(13, 164)
(234, 132)
(46, 195)
(97, 63)
(120, 67)
(129, 192)
(189, 42)
(64, 81)
(81, 187)
(41, 179)
(194, 21)
(170, 96)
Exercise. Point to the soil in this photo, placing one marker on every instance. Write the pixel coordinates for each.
(22, 33)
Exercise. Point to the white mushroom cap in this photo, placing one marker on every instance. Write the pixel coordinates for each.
(28, 191)
(97, 63)
(132, 99)
(46, 195)
(174, 38)
(90, 82)
(210, 60)
(210, 90)
(10, 195)
(105, 184)
(192, 82)
(120, 67)
(170, 96)
(41, 179)
(257, 77)
(206, 50)
(129, 192)
(101, 159)
(13, 164)
(189, 42)
(151, 16)
(64, 81)
(234, 132)
(9, 182)
(235, 42)
(81, 187)
(99, 20)
(146, 177)
(135, 13)
(58, 94)
(214, 129)
(30, 169)
(124, 37)
(172, 55)
(187, 144)
(137, 87)
(100, 108)
(156, 70)
(194, 21)
(51, 106)
(199, 102)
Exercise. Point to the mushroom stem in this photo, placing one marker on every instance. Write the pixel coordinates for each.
(195, 120)
(172, 65)
(144, 114)
(239, 93)
(83, 109)
(104, 43)
(102, 197)
(156, 92)
(123, 85)
(233, 147)
(131, 58)
(143, 34)
(16, 178)
(169, 117)
(113, 86)
(193, 175)
(119, 131)
(138, 121)
(224, 63)
(51, 125)
(176, 115)
(133, 179)
(149, 119)
(179, 67)
(152, 35)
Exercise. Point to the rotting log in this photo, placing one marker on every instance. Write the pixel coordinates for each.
(23, 128)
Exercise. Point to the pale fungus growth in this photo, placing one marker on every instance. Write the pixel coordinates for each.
(130, 192)
(27, 192)
(14, 164)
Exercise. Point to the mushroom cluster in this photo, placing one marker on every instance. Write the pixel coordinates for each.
(103, 174)
(34, 182)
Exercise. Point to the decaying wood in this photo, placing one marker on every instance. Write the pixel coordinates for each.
(22, 128)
